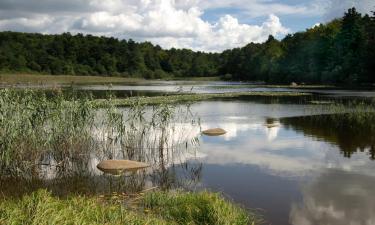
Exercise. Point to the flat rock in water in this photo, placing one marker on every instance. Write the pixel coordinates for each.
(214, 132)
(120, 166)
(293, 84)
(272, 125)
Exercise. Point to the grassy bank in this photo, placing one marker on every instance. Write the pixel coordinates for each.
(13, 79)
(188, 98)
(157, 208)
(63, 79)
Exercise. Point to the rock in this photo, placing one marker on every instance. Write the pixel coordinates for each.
(214, 132)
(272, 125)
(293, 84)
(116, 167)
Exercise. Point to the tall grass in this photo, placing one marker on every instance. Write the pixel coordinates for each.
(66, 131)
(33, 127)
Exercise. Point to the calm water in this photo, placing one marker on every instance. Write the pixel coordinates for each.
(173, 87)
(300, 172)
(152, 88)
(278, 156)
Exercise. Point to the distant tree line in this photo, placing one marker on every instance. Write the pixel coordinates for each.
(341, 51)
(91, 55)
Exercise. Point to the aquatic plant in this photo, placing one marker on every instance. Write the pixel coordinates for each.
(34, 126)
(66, 131)
(189, 98)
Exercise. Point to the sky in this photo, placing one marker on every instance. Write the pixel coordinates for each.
(201, 25)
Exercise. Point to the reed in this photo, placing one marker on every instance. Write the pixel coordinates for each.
(66, 131)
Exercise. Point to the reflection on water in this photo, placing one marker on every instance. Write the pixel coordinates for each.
(351, 134)
(271, 151)
(336, 197)
(298, 167)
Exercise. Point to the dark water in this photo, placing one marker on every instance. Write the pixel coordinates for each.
(283, 157)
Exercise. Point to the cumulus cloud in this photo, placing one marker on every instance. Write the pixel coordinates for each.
(169, 23)
(335, 8)
(226, 33)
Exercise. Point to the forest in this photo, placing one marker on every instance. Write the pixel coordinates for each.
(339, 52)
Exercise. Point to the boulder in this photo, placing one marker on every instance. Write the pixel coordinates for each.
(214, 132)
(116, 167)
(293, 84)
(271, 125)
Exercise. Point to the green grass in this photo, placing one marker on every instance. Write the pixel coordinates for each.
(183, 98)
(157, 208)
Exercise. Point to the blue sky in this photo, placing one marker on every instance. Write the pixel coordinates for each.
(205, 25)
(312, 12)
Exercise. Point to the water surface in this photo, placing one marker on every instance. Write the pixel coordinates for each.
(286, 157)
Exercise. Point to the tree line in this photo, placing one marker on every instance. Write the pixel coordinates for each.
(341, 51)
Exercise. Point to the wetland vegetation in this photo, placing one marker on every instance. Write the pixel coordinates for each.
(55, 136)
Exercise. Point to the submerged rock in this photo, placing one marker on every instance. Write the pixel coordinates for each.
(214, 132)
(120, 166)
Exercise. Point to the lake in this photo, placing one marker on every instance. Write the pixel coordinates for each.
(285, 157)
(300, 172)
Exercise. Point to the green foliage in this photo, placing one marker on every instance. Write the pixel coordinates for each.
(341, 52)
(89, 55)
(160, 208)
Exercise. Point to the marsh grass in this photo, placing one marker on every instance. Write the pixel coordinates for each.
(33, 127)
(190, 98)
(151, 208)
(65, 131)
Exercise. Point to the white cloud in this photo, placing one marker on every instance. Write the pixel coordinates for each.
(331, 9)
(169, 23)
(226, 33)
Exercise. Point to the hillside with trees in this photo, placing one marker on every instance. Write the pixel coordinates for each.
(340, 52)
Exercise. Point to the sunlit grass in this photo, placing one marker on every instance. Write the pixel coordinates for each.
(157, 208)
